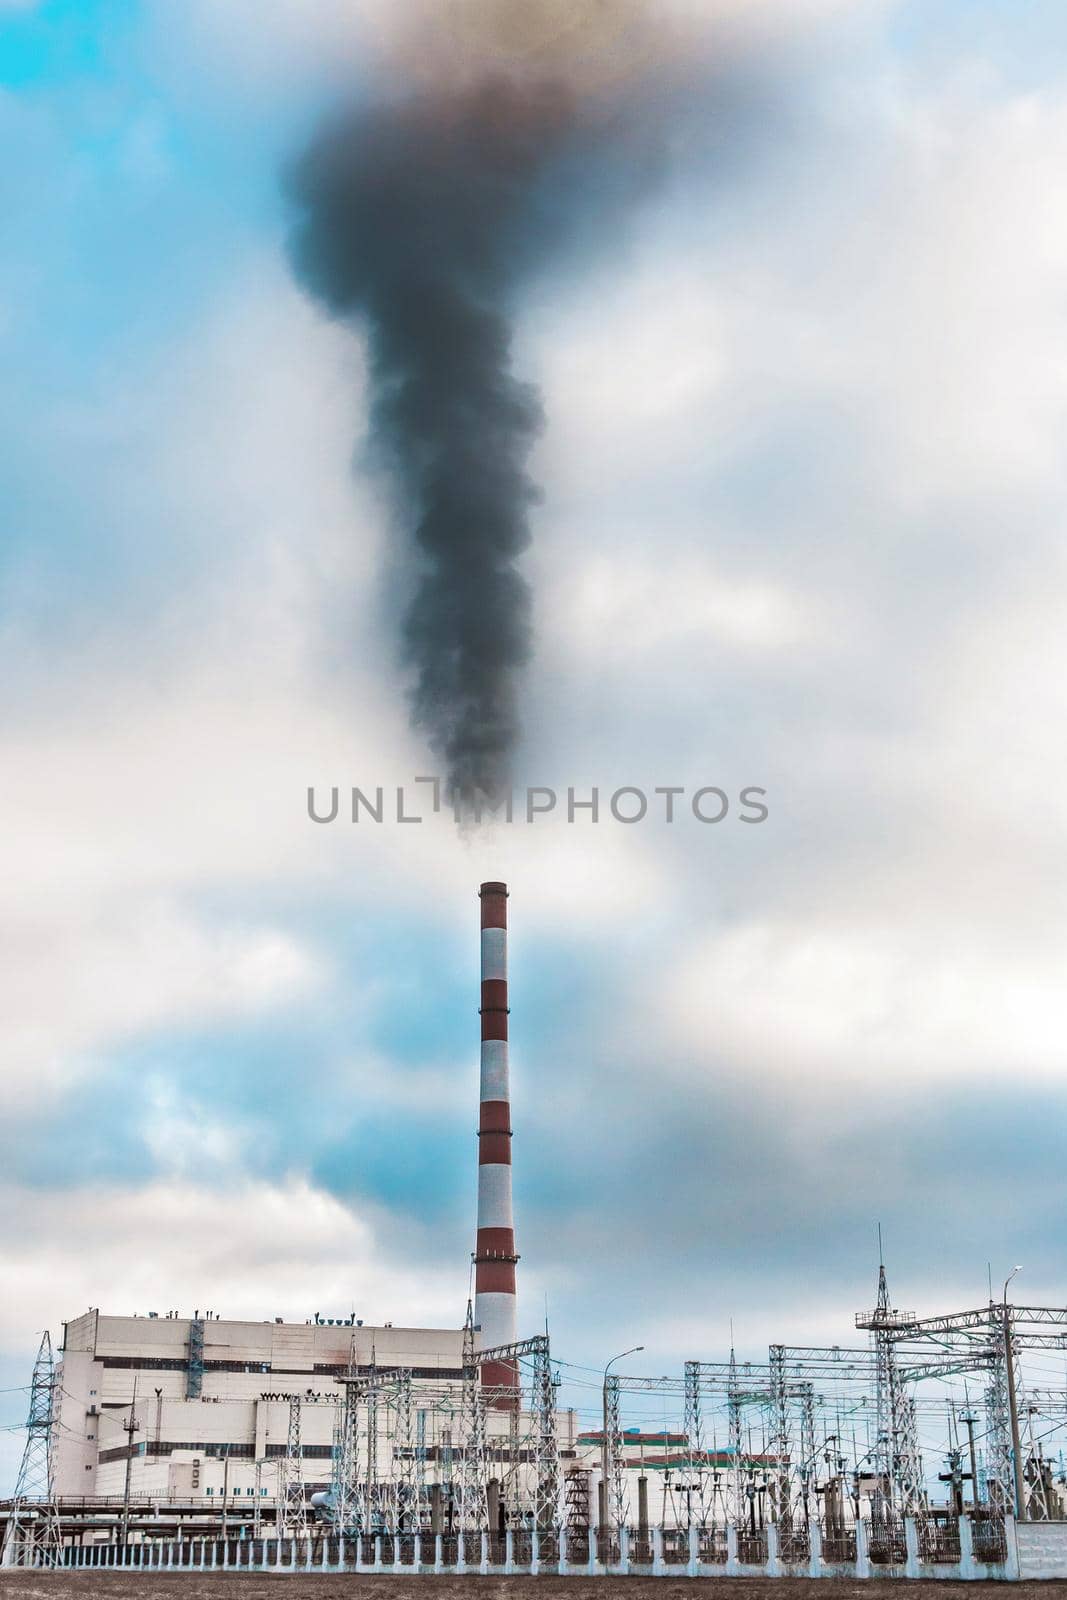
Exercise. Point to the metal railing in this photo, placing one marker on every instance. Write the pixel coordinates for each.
(889, 1547)
(839, 1547)
(886, 1544)
(752, 1547)
(989, 1537)
(939, 1541)
(794, 1546)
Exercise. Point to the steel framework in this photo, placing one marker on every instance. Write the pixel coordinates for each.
(33, 1531)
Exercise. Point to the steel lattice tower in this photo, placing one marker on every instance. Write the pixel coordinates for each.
(295, 1511)
(405, 1466)
(1001, 1457)
(780, 1436)
(471, 1501)
(547, 1513)
(615, 1489)
(33, 1531)
(345, 1487)
(693, 1425)
(735, 1412)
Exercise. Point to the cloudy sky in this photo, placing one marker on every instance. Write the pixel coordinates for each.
(801, 528)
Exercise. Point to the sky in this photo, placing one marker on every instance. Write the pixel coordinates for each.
(801, 528)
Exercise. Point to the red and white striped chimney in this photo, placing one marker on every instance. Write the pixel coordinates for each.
(495, 1258)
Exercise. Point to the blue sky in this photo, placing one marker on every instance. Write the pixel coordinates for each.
(801, 528)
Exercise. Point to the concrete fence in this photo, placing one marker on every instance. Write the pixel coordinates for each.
(912, 1549)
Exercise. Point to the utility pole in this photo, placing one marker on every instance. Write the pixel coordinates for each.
(129, 1428)
(225, 1487)
(968, 1420)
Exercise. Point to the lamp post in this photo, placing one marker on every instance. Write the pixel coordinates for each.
(1013, 1408)
(604, 1435)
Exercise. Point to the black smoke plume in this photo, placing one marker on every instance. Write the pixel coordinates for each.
(420, 220)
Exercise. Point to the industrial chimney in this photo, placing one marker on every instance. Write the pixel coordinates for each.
(495, 1258)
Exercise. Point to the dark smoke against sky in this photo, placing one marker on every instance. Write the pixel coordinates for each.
(418, 221)
(420, 218)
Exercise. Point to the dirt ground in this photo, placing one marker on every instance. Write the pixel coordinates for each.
(194, 1586)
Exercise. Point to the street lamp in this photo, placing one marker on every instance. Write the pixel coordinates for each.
(1007, 1280)
(604, 1434)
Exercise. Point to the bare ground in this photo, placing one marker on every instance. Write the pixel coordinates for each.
(231, 1586)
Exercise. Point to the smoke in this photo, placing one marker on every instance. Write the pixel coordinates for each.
(420, 219)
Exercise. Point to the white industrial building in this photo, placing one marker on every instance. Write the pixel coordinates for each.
(209, 1402)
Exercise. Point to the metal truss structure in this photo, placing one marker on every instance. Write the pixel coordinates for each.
(810, 1434)
(989, 1339)
(379, 1479)
(294, 1512)
(33, 1532)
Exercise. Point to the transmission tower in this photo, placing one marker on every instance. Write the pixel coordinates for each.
(615, 1488)
(780, 1436)
(735, 1403)
(295, 1509)
(33, 1536)
(908, 1467)
(999, 1456)
(408, 1510)
(693, 1425)
(546, 1444)
(472, 1503)
(345, 1486)
(807, 1468)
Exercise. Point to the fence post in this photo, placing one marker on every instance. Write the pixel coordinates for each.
(968, 1566)
(563, 1551)
(594, 1552)
(731, 1550)
(863, 1560)
(694, 1550)
(911, 1548)
(773, 1568)
(657, 1552)
(535, 1552)
(814, 1549)
(483, 1563)
(1011, 1564)
(624, 1551)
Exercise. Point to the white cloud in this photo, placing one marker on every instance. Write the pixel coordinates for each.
(160, 1246)
(74, 982)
